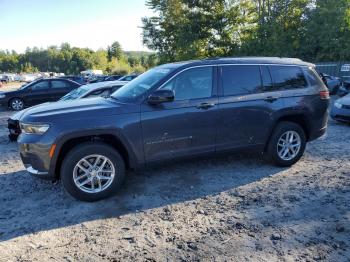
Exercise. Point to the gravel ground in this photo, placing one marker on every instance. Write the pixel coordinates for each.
(233, 208)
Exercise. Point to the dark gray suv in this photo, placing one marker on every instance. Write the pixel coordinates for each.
(177, 110)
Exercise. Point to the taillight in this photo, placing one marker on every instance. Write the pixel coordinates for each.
(324, 94)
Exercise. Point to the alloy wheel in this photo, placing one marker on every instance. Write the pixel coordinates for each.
(93, 173)
(289, 145)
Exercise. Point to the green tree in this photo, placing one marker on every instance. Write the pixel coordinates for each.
(327, 32)
(115, 51)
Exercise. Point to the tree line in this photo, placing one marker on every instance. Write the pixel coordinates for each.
(73, 60)
(313, 30)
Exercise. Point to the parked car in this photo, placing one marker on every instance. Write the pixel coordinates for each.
(37, 92)
(78, 79)
(345, 88)
(341, 109)
(97, 78)
(104, 89)
(4, 79)
(128, 77)
(113, 77)
(333, 83)
(28, 78)
(176, 111)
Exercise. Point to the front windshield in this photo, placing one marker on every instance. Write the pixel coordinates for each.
(74, 94)
(141, 84)
(27, 84)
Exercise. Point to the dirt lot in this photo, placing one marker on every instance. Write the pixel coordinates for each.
(235, 208)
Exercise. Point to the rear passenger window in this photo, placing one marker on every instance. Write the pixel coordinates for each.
(287, 77)
(240, 80)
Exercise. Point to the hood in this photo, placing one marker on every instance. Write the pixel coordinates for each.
(18, 115)
(76, 109)
(10, 92)
(344, 100)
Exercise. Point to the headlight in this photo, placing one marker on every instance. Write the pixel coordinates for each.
(338, 105)
(37, 129)
(2, 96)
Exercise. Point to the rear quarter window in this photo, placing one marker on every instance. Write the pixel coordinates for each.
(313, 77)
(287, 77)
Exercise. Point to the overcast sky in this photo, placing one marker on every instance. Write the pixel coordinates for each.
(82, 23)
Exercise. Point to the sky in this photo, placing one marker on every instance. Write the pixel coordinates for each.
(82, 23)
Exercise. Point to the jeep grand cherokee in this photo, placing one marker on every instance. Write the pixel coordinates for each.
(184, 109)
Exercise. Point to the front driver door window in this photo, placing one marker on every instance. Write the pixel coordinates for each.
(38, 92)
(186, 125)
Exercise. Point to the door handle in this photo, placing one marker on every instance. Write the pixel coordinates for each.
(271, 99)
(205, 105)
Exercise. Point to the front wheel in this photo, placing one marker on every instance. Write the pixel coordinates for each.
(92, 171)
(287, 144)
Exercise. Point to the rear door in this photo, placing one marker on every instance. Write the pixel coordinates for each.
(247, 102)
(59, 88)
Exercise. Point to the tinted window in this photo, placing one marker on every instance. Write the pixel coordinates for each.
(287, 77)
(102, 93)
(240, 79)
(40, 85)
(313, 77)
(192, 84)
(266, 79)
(59, 84)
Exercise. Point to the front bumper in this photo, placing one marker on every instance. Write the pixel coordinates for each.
(36, 159)
(340, 114)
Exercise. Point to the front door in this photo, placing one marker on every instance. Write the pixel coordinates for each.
(187, 125)
(38, 93)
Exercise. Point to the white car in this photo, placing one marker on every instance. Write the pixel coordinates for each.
(28, 78)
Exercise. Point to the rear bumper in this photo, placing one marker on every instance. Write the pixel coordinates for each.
(318, 133)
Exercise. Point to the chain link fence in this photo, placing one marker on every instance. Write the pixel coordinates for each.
(339, 69)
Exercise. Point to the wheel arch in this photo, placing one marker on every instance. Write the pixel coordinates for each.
(297, 118)
(70, 141)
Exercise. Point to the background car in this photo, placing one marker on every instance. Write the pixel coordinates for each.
(113, 77)
(102, 89)
(128, 77)
(37, 92)
(4, 79)
(97, 78)
(345, 88)
(341, 109)
(78, 79)
(333, 83)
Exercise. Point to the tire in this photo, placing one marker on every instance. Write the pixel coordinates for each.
(91, 151)
(16, 104)
(276, 144)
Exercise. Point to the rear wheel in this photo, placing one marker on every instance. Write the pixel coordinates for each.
(16, 104)
(92, 171)
(287, 144)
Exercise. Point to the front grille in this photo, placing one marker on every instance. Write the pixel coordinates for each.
(346, 106)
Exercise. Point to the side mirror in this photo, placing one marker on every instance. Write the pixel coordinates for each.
(161, 96)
